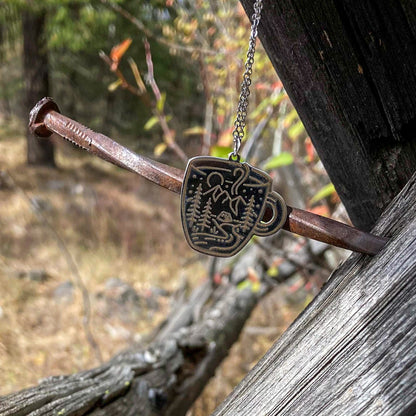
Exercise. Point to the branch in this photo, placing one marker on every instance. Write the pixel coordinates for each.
(166, 377)
(169, 137)
(352, 351)
(145, 98)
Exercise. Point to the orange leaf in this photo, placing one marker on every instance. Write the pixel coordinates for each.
(252, 275)
(310, 150)
(262, 86)
(225, 138)
(277, 262)
(277, 85)
(320, 210)
(118, 51)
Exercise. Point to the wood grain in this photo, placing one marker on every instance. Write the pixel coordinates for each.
(349, 68)
(352, 351)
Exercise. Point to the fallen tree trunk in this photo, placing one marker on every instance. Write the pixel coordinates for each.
(167, 377)
(352, 351)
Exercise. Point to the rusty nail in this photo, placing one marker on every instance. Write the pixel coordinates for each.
(45, 118)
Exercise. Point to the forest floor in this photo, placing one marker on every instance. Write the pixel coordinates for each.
(90, 224)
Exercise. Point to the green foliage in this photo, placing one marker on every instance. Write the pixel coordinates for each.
(160, 105)
(196, 130)
(114, 85)
(198, 51)
(248, 284)
(75, 33)
(324, 192)
(221, 151)
(296, 130)
(78, 26)
(282, 159)
(151, 123)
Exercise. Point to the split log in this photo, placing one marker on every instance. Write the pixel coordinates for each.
(167, 377)
(352, 351)
(349, 68)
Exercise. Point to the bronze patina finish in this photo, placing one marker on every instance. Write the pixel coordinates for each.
(46, 119)
(223, 204)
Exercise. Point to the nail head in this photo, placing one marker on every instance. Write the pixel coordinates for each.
(37, 116)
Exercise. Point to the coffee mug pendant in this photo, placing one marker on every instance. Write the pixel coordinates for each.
(223, 204)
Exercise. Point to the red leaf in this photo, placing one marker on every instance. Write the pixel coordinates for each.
(217, 278)
(220, 119)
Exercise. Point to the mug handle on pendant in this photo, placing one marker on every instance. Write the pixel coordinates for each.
(276, 204)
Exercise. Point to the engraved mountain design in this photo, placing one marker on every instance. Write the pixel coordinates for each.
(222, 202)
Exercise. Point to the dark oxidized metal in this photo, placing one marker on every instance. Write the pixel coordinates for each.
(45, 119)
(223, 203)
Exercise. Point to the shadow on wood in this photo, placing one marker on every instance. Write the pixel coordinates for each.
(352, 351)
(349, 69)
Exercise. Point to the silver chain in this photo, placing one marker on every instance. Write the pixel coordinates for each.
(240, 121)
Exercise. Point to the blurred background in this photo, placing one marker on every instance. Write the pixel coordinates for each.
(92, 258)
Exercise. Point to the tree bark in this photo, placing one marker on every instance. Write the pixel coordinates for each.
(352, 351)
(350, 69)
(36, 75)
(166, 377)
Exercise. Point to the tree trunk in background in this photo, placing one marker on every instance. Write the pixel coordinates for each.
(36, 74)
(5, 111)
(349, 68)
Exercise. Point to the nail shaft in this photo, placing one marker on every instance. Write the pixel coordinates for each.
(45, 118)
(109, 150)
(332, 232)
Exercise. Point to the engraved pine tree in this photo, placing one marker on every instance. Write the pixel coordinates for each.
(249, 215)
(205, 219)
(194, 210)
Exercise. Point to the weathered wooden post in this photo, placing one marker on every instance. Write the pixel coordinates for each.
(350, 69)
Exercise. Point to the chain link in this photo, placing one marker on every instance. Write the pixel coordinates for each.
(240, 121)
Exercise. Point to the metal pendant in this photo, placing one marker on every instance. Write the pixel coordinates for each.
(223, 204)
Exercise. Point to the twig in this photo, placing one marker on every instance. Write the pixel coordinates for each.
(150, 71)
(143, 95)
(145, 98)
(206, 140)
(250, 145)
(312, 265)
(169, 137)
(72, 265)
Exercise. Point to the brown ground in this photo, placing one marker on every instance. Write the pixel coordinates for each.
(113, 225)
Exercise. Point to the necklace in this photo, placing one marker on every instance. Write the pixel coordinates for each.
(224, 202)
